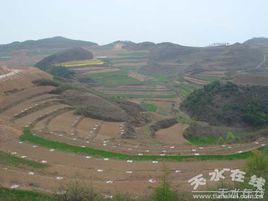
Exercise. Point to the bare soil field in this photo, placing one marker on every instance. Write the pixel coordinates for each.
(7, 84)
(27, 120)
(4, 70)
(214, 73)
(107, 176)
(92, 70)
(12, 100)
(245, 79)
(27, 104)
(21, 58)
(63, 122)
(134, 65)
(108, 130)
(138, 76)
(195, 80)
(172, 135)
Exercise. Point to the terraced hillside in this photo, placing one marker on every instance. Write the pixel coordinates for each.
(113, 118)
(41, 127)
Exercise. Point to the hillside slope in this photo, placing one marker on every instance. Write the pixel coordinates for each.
(57, 42)
(233, 57)
(66, 55)
(227, 104)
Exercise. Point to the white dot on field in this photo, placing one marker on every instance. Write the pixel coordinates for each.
(152, 181)
(14, 186)
(59, 178)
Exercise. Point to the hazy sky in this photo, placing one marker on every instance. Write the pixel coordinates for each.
(187, 22)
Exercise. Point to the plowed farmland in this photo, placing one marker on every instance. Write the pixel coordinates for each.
(37, 125)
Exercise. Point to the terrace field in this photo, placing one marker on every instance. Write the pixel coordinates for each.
(82, 63)
(125, 117)
(113, 79)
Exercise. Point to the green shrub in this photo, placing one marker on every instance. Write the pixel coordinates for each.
(78, 192)
(149, 107)
(257, 163)
(164, 193)
(230, 137)
(45, 82)
(221, 140)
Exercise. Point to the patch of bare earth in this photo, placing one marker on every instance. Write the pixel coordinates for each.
(172, 135)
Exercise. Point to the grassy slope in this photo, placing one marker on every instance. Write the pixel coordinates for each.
(10, 160)
(149, 107)
(21, 195)
(112, 79)
(28, 136)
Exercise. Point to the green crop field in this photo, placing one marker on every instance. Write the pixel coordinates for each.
(11, 160)
(185, 88)
(113, 79)
(82, 63)
(149, 107)
(22, 195)
(208, 78)
(136, 54)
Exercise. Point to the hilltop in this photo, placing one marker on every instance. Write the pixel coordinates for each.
(57, 42)
(238, 56)
(257, 42)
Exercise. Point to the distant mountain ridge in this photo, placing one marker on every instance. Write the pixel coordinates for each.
(238, 56)
(62, 42)
(57, 42)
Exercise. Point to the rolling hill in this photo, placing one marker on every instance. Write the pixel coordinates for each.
(57, 42)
